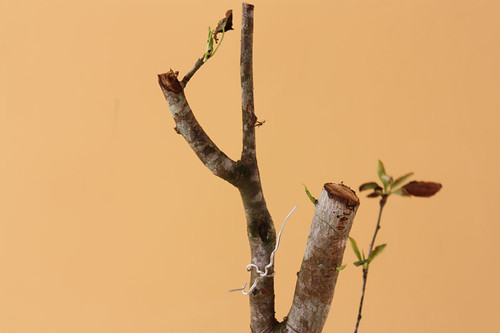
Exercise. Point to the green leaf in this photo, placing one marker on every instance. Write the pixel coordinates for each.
(380, 170)
(210, 45)
(370, 186)
(385, 178)
(341, 267)
(401, 180)
(361, 262)
(388, 179)
(401, 192)
(355, 248)
(376, 251)
(310, 196)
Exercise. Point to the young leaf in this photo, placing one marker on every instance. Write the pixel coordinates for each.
(369, 186)
(401, 192)
(380, 169)
(376, 251)
(388, 179)
(310, 196)
(341, 267)
(401, 180)
(361, 262)
(355, 248)
(210, 45)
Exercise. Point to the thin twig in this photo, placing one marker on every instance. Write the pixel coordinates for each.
(365, 268)
(223, 24)
(193, 70)
(382, 204)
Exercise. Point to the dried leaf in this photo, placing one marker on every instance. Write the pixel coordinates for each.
(422, 189)
(224, 24)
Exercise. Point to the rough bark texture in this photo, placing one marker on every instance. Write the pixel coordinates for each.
(318, 274)
(187, 125)
(332, 221)
(260, 227)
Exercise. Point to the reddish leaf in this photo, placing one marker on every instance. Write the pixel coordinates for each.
(422, 189)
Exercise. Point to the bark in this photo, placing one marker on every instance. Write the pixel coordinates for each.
(325, 247)
(332, 220)
(187, 125)
(260, 226)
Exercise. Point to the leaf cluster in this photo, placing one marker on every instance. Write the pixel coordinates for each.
(224, 25)
(389, 185)
(362, 260)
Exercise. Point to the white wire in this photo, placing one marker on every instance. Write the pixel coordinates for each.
(264, 273)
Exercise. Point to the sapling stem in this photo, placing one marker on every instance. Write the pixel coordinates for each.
(366, 266)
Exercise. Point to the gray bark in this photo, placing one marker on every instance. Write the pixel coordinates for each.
(325, 247)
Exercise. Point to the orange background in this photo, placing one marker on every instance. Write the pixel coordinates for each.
(109, 223)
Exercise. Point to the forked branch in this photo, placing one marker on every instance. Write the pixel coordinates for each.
(332, 220)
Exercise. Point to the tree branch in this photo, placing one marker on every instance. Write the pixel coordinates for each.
(260, 226)
(193, 70)
(187, 125)
(383, 201)
(246, 72)
(243, 174)
(318, 274)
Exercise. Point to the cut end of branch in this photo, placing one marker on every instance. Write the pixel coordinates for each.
(342, 193)
(247, 6)
(169, 82)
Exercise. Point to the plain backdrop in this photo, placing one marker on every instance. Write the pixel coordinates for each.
(109, 223)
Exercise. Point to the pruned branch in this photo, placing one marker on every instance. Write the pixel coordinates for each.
(187, 125)
(332, 221)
